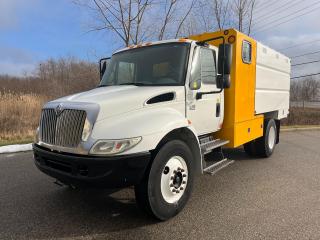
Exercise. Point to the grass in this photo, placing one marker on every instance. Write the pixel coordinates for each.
(302, 117)
(21, 141)
(19, 116)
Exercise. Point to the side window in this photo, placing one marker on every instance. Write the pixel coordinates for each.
(246, 52)
(208, 66)
(126, 72)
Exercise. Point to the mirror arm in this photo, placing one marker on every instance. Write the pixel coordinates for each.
(100, 62)
(199, 94)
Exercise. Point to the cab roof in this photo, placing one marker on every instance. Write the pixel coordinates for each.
(181, 40)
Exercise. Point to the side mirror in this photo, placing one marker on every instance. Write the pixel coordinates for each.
(224, 66)
(224, 59)
(103, 63)
(223, 81)
(195, 85)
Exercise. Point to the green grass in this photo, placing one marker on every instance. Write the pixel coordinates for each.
(18, 141)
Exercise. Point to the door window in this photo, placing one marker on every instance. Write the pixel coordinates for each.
(208, 66)
(204, 66)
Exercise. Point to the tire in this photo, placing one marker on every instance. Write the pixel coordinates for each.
(168, 184)
(265, 145)
(249, 149)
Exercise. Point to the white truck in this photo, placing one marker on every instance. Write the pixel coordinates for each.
(159, 109)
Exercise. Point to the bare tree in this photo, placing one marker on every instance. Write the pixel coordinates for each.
(221, 10)
(122, 17)
(243, 13)
(134, 21)
(309, 89)
(295, 91)
(304, 90)
(183, 19)
(173, 17)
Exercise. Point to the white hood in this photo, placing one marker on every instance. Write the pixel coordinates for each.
(115, 100)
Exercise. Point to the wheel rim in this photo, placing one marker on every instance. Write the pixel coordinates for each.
(271, 137)
(174, 179)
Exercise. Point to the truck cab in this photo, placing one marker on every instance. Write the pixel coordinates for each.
(159, 108)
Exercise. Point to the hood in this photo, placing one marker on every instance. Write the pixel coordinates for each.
(115, 100)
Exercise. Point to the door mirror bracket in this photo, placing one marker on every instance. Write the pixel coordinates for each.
(103, 63)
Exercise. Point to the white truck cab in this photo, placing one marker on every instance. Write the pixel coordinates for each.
(159, 108)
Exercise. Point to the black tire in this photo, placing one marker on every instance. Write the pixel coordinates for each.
(148, 192)
(262, 145)
(249, 148)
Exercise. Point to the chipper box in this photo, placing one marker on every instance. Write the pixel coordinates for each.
(159, 108)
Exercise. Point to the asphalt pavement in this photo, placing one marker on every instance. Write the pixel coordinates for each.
(275, 198)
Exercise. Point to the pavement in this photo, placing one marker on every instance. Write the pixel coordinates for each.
(274, 198)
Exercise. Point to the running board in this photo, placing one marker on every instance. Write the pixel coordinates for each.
(208, 146)
(216, 167)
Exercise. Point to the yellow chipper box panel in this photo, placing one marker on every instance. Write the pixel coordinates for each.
(241, 125)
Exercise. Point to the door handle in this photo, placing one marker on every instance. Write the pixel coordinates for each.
(218, 109)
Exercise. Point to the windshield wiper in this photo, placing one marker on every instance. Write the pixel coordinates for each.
(103, 86)
(133, 83)
(129, 83)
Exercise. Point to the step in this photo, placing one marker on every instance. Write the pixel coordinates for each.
(206, 139)
(216, 167)
(207, 147)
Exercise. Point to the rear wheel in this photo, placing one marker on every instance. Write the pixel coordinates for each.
(168, 185)
(265, 145)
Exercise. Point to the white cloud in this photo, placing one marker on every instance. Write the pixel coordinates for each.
(15, 61)
(17, 69)
(10, 9)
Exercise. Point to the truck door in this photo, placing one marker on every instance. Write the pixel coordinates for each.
(206, 113)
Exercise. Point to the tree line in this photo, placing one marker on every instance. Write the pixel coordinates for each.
(307, 89)
(54, 78)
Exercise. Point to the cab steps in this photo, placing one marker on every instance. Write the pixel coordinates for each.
(209, 146)
(217, 159)
(216, 167)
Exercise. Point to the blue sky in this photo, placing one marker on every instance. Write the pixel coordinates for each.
(35, 30)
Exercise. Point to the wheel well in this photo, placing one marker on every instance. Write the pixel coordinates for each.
(187, 136)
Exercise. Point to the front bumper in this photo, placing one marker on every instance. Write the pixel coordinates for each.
(92, 171)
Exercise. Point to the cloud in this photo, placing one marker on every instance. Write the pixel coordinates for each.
(15, 61)
(17, 69)
(10, 9)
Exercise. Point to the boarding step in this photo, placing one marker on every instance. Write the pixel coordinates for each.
(208, 146)
(216, 167)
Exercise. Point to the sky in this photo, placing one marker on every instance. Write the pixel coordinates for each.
(35, 30)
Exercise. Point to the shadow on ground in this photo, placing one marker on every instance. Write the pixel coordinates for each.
(73, 212)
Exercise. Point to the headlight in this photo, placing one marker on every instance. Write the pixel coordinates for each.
(86, 130)
(110, 147)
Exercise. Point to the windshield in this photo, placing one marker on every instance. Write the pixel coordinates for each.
(158, 65)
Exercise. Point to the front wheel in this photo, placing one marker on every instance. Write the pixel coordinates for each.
(168, 185)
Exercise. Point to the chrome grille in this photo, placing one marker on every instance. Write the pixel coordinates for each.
(64, 129)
